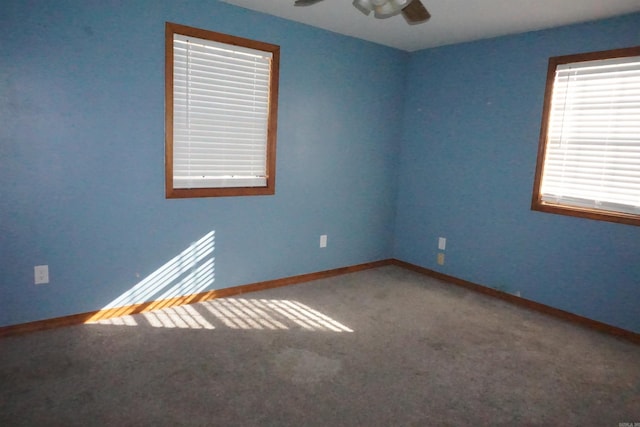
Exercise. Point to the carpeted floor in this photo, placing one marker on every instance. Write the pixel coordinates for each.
(382, 347)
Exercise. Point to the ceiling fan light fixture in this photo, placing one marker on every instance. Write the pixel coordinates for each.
(388, 8)
(364, 6)
(381, 8)
(413, 11)
(385, 11)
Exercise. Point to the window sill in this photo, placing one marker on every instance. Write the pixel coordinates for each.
(594, 214)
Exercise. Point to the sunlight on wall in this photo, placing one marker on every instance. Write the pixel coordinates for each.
(190, 272)
(235, 313)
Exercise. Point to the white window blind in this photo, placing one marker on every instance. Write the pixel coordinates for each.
(593, 140)
(220, 114)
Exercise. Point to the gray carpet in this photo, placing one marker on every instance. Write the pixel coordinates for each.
(383, 347)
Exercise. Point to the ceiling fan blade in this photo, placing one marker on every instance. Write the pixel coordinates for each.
(416, 13)
(305, 2)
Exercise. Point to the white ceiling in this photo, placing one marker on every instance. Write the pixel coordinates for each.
(453, 21)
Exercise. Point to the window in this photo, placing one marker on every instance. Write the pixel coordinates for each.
(221, 97)
(589, 153)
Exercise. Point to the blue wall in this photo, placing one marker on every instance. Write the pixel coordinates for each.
(472, 123)
(82, 158)
(82, 146)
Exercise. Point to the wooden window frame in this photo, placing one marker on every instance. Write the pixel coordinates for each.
(537, 204)
(269, 188)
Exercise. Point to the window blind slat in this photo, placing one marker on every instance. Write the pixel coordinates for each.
(221, 107)
(225, 76)
(593, 138)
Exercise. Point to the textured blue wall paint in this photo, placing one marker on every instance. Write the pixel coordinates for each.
(82, 154)
(472, 123)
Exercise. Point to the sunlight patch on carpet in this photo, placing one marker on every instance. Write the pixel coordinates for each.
(234, 313)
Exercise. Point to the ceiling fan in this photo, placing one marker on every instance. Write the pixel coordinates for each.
(413, 11)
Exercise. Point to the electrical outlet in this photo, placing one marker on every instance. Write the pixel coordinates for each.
(442, 243)
(440, 258)
(323, 241)
(41, 274)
